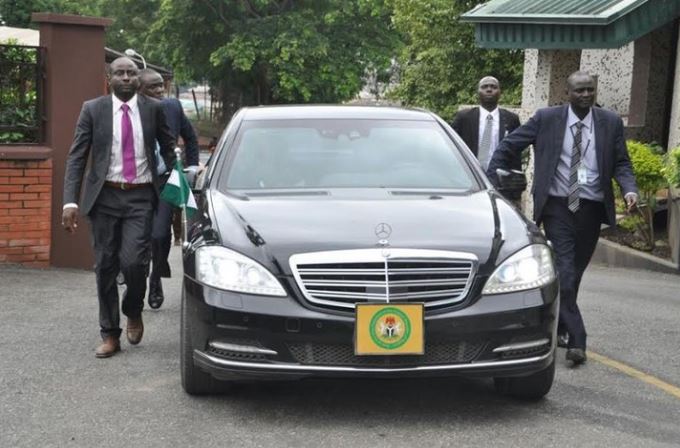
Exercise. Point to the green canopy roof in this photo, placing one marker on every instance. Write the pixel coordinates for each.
(567, 24)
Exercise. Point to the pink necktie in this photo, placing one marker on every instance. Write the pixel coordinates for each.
(128, 144)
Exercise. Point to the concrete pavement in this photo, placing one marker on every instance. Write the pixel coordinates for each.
(54, 392)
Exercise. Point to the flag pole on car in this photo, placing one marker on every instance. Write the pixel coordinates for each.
(177, 192)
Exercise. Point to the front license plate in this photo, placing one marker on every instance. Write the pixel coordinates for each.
(389, 329)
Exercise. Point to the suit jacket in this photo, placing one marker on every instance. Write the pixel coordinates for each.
(93, 137)
(545, 130)
(180, 126)
(466, 124)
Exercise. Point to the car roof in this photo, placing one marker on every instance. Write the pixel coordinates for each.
(302, 112)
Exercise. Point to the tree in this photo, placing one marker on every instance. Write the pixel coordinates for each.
(277, 51)
(440, 63)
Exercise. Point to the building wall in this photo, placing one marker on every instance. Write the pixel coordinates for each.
(25, 210)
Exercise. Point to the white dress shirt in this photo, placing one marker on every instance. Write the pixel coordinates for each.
(483, 115)
(115, 173)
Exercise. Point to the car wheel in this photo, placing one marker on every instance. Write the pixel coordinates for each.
(532, 387)
(194, 380)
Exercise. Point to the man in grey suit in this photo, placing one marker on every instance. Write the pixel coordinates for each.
(578, 150)
(118, 133)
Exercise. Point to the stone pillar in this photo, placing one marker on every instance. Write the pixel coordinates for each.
(74, 73)
(673, 142)
(544, 84)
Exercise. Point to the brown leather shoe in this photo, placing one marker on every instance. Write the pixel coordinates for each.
(135, 330)
(108, 348)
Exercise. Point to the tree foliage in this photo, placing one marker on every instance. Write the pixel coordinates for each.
(277, 51)
(440, 63)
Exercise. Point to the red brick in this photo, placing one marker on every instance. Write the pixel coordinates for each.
(11, 250)
(45, 180)
(23, 180)
(3, 258)
(4, 228)
(4, 180)
(3, 243)
(24, 242)
(45, 256)
(4, 196)
(11, 172)
(36, 249)
(37, 204)
(4, 212)
(27, 212)
(11, 204)
(6, 164)
(45, 163)
(11, 188)
(11, 219)
(23, 196)
(30, 226)
(38, 188)
(47, 196)
(20, 258)
(38, 172)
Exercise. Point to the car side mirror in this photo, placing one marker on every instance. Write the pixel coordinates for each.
(511, 183)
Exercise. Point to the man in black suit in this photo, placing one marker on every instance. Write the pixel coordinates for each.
(578, 150)
(483, 127)
(118, 133)
(151, 85)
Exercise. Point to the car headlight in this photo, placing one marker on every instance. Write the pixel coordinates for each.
(223, 268)
(531, 267)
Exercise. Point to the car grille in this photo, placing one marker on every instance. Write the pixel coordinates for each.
(340, 279)
(452, 352)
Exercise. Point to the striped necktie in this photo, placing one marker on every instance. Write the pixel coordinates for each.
(484, 153)
(574, 187)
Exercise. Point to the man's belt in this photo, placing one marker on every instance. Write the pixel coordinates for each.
(126, 186)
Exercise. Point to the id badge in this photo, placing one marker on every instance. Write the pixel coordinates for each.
(582, 175)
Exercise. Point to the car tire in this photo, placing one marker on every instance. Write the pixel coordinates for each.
(530, 388)
(194, 380)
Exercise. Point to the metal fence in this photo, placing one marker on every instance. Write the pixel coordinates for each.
(21, 94)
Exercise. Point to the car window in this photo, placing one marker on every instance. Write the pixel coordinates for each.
(323, 154)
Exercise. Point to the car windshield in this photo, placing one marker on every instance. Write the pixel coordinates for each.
(345, 153)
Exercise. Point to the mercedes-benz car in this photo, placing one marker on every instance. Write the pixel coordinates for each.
(347, 241)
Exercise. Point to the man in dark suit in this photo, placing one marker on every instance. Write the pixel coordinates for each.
(118, 133)
(578, 150)
(151, 85)
(483, 127)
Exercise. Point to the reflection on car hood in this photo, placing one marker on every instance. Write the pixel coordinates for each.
(272, 228)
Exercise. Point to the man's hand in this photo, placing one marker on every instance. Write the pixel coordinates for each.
(631, 201)
(69, 219)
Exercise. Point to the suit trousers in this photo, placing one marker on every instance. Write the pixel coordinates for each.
(161, 240)
(574, 237)
(121, 235)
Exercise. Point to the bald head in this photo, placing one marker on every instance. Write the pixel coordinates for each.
(489, 92)
(151, 83)
(123, 78)
(581, 91)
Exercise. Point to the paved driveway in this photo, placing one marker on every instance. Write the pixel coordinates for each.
(53, 392)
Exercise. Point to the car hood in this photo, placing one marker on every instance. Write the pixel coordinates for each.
(272, 228)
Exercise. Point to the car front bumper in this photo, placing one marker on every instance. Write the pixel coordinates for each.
(243, 337)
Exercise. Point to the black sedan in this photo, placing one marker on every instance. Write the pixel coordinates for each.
(343, 241)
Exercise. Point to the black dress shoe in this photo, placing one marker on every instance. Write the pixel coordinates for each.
(155, 294)
(576, 355)
(563, 340)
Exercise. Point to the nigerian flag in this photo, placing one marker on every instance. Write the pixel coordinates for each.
(177, 191)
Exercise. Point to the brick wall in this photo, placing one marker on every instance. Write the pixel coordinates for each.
(25, 210)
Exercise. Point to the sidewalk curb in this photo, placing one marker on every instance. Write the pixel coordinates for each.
(613, 254)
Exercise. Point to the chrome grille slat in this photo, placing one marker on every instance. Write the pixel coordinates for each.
(339, 279)
(407, 295)
(350, 283)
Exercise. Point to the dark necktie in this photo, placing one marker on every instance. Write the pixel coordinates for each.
(484, 153)
(576, 152)
(128, 144)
